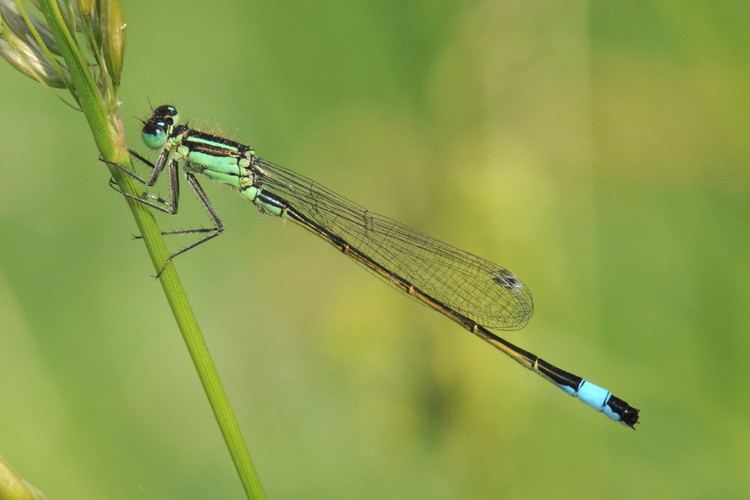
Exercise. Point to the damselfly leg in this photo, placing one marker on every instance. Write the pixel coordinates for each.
(171, 206)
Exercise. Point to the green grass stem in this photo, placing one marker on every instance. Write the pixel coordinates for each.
(111, 145)
(13, 487)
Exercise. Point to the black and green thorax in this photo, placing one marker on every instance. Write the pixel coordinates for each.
(220, 159)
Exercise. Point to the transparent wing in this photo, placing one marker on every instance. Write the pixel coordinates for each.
(480, 290)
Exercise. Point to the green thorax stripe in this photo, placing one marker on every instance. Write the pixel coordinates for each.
(211, 144)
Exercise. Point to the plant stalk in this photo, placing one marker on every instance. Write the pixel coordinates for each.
(111, 144)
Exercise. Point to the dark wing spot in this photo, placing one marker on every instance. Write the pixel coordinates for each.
(506, 280)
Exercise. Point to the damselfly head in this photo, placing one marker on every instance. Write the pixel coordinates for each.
(156, 130)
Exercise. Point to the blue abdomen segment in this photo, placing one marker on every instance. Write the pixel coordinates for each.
(594, 396)
(604, 401)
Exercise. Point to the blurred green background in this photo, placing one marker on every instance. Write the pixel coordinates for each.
(597, 149)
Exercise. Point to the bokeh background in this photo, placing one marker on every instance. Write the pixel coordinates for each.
(597, 149)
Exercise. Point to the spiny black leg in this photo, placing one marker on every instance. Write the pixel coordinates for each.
(157, 168)
(170, 206)
(218, 226)
(184, 231)
(143, 160)
(166, 206)
(161, 161)
(215, 230)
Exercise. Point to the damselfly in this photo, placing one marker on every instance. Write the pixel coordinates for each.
(469, 290)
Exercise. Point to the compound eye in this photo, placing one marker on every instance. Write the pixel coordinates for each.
(165, 110)
(153, 134)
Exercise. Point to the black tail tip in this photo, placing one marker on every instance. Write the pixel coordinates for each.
(628, 414)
